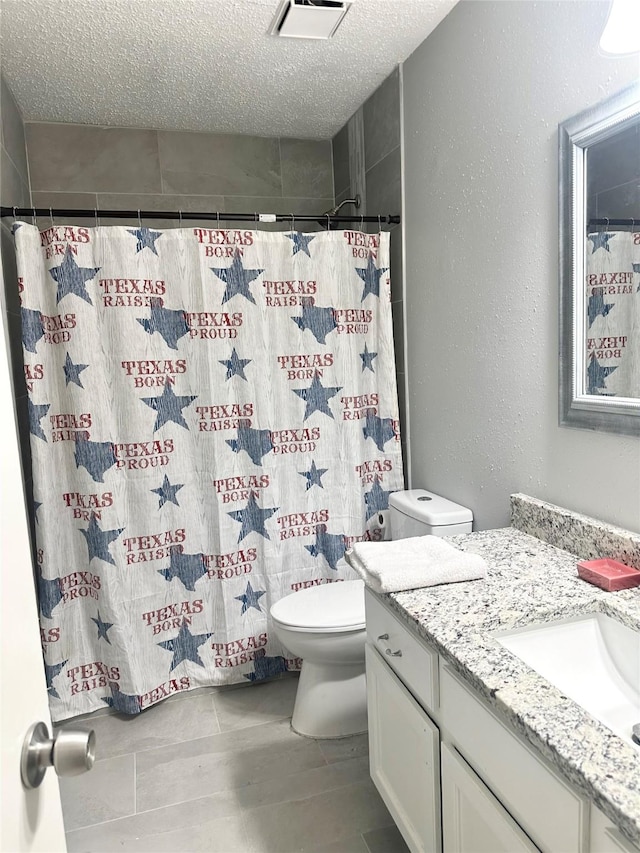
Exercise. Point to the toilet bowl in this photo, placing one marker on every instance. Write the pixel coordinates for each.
(325, 626)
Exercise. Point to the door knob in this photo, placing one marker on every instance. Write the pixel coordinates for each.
(70, 752)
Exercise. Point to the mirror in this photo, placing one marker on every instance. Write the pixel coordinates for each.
(600, 266)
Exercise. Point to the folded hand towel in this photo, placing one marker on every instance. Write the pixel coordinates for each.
(413, 563)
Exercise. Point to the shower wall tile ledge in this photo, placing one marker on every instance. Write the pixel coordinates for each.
(579, 534)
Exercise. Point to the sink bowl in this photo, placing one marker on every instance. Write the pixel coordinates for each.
(593, 659)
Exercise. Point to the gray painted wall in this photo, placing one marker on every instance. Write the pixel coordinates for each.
(483, 96)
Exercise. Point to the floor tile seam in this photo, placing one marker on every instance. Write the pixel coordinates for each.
(255, 725)
(245, 809)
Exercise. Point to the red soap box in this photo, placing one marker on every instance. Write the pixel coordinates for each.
(609, 574)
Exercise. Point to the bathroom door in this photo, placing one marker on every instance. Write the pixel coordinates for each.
(30, 820)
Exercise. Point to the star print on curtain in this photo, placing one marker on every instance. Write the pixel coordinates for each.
(214, 421)
(612, 314)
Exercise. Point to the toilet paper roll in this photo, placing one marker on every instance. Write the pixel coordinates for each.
(379, 526)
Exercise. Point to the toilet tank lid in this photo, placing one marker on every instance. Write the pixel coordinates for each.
(429, 508)
(328, 607)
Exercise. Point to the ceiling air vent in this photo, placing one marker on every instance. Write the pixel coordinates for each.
(309, 19)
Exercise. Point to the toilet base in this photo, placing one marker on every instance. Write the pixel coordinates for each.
(331, 700)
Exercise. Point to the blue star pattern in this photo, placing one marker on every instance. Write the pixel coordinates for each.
(169, 385)
(367, 359)
(32, 328)
(317, 397)
(597, 306)
(600, 240)
(376, 499)
(319, 321)
(169, 407)
(250, 598)
(188, 568)
(146, 239)
(122, 702)
(36, 413)
(71, 278)
(252, 518)
(98, 540)
(255, 442)
(596, 374)
(266, 667)
(49, 594)
(167, 492)
(96, 456)
(371, 276)
(103, 628)
(51, 671)
(379, 429)
(185, 646)
(330, 545)
(72, 371)
(301, 242)
(169, 323)
(237, 279)
(313, 475)
(235, 365)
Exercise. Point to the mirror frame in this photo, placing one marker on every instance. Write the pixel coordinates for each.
(577, 408)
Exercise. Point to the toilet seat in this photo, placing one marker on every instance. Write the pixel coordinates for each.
(327, 609)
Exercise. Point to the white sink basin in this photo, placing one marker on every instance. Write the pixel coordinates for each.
(593, 659)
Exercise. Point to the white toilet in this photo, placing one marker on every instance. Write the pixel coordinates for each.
(325, 626)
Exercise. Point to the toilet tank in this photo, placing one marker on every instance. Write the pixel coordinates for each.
(416, 512)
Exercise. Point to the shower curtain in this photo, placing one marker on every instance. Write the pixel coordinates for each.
(612, 352)
(214, 420)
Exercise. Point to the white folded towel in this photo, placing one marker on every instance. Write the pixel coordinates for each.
(413, 563)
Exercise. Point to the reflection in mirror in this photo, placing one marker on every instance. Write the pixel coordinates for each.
(600, 266)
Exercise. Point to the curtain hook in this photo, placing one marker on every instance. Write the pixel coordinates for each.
(33, 215)
(51, 216)
(139, 219)
(15, 218)
(180, 217)
(293, 222)
(328, 222)
(379, 223)
(362, 222)
(606, 227)
(95, 214)
(218, 219)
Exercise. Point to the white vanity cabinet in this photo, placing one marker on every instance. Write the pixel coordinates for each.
(453, 775)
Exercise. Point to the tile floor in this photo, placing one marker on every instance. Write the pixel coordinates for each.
(220, 770)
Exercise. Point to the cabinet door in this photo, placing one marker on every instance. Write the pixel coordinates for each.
(473, 821)
(404, 757)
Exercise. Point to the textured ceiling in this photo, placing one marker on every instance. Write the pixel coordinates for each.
(201, 64)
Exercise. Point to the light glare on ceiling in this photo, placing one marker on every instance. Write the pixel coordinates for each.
(622, 31)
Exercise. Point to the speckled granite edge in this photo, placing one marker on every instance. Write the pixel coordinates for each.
(530, 581)
(571, 531)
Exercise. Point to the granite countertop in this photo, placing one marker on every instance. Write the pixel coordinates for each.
(530, 581)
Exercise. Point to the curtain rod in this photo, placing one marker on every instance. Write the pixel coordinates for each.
(607, 222)
(15, 212)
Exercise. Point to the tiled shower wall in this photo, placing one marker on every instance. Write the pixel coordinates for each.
(14, 185)
(366, 162)
(129, 169)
